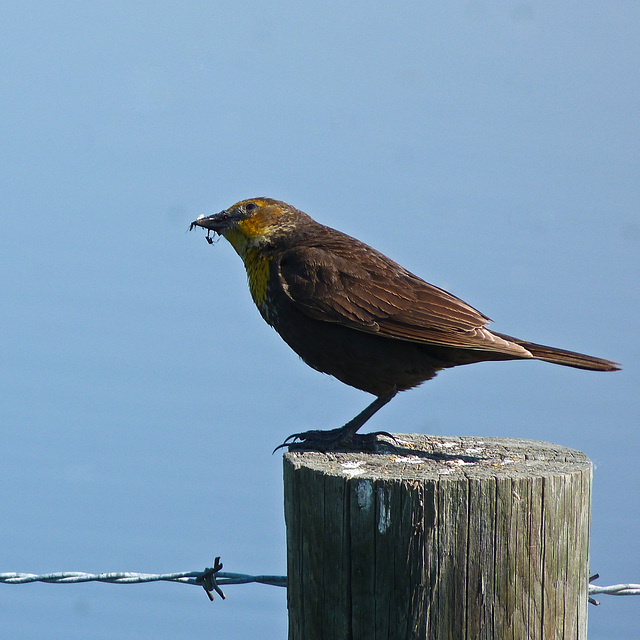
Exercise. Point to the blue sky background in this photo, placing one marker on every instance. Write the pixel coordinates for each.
(491, 147)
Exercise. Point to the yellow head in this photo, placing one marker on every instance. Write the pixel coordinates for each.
(251, 224)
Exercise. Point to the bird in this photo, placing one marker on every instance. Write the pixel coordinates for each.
(351, 312)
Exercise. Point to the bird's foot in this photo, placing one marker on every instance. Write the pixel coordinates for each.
(335, 440)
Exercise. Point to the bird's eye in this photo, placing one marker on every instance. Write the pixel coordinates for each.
(250, 206)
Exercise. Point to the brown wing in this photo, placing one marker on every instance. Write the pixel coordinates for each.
(352, 284)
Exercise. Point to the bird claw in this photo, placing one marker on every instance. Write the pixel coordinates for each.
(334, 439)
(289, 440)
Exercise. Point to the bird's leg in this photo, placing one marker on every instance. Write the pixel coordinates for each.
(345, 436)
(349, 430)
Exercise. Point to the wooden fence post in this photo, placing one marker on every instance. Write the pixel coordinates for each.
(446, 538)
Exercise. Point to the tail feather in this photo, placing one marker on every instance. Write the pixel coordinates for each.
(564, 357)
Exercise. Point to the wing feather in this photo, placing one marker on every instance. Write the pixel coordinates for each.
(354, 285)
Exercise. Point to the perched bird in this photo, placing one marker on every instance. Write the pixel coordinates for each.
(349, 311)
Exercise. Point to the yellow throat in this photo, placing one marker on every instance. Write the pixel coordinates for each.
(257, 267)
(255, 262)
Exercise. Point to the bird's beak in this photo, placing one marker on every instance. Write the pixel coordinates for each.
(218, 222)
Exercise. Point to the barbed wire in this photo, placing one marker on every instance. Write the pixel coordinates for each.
(611, 590)
(211, 579)
(616, 590)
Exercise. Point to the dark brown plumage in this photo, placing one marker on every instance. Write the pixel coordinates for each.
(349, 311)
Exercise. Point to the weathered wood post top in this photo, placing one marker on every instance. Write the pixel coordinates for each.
(443, 538)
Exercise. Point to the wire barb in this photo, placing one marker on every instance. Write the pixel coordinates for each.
(208, 580)
(591, 600)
